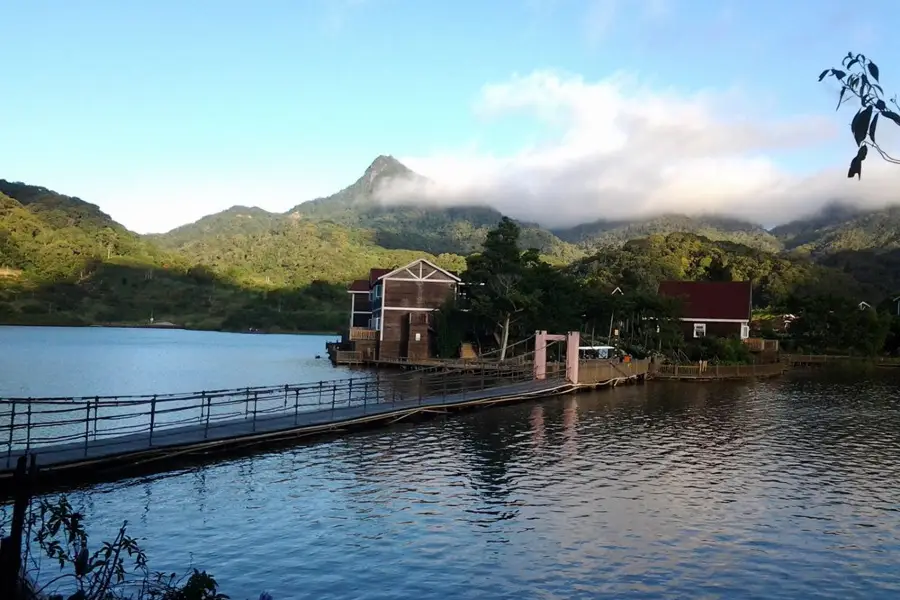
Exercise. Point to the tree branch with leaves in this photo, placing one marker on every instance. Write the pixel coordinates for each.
(859, 80)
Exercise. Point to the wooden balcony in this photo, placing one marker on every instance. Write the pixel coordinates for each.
(761, 345)
(363, 334)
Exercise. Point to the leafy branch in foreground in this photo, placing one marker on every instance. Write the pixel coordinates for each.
(859, 79)
(116, 570)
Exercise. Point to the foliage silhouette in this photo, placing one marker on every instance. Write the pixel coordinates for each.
(859, 80)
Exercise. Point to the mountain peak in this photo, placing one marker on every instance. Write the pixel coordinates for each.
(386, 166)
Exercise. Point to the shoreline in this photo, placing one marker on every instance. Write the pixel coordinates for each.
(168, 327)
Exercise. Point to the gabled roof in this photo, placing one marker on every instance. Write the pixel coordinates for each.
(360, 286)
(416, 262)
(711, 299)
(376, 274)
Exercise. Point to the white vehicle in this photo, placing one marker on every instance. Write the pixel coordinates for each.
(596, 352)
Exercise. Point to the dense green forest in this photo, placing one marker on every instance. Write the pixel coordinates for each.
(63, 260)
(513, 292)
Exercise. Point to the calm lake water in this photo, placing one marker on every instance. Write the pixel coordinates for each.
(72, 361)
(777, 489)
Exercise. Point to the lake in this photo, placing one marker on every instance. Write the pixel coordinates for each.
(781, 488)
(89, 361)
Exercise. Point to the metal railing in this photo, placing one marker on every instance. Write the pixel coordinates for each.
(113, 421)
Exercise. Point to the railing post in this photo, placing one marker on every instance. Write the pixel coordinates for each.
(96, 412)
(255, 400)
(28, 429)
(208, 410)
(365, 396)
(285, 395)
(333, 397)
(319, 403)
(12, 428)
(152, 417)
(377, 387)
(247, 404)
(350, 392)
(87, 425)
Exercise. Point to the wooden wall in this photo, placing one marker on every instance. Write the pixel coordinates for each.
(417, 294)
(712, 330)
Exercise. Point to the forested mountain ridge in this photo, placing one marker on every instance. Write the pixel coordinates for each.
(615, 233)
(459, 229)
(841, 228)
(65, 260)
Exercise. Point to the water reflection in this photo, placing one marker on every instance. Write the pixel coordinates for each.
(772, 489)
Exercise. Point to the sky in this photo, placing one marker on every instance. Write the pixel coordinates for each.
(559, 111)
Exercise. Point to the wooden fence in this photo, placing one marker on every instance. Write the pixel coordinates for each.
(761, 345)
(28, 423)
(593, 372)
(821, 359)
(362, 334)
(659, 371)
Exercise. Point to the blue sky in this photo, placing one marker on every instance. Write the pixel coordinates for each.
(163, 111)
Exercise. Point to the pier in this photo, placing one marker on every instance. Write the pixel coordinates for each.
(78, 438)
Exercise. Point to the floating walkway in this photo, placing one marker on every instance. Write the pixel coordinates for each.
(79, 439)
(75, 439)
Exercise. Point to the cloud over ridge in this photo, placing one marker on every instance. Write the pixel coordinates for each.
(620, 150)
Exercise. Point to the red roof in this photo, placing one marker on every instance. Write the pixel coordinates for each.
(711, 299)
(376, 274)
(360, 285)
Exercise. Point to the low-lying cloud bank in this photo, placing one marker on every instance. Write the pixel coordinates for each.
(621, 151)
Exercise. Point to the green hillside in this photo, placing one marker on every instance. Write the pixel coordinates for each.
(615, 233)
(236, 221)
(841, 228)
(63, 261)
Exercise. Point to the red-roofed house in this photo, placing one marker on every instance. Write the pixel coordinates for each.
(393, 308)
(712, 308)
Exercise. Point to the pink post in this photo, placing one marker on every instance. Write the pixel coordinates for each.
(540, 355)
(573, 340)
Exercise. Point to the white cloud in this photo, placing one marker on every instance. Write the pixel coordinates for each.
(621, 150)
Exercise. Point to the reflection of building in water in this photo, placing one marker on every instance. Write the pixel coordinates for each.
(538, 431)
(570, 426)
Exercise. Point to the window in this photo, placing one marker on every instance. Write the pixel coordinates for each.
(699, 330)
(745, 332)
(378, 291)
(377, 325)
